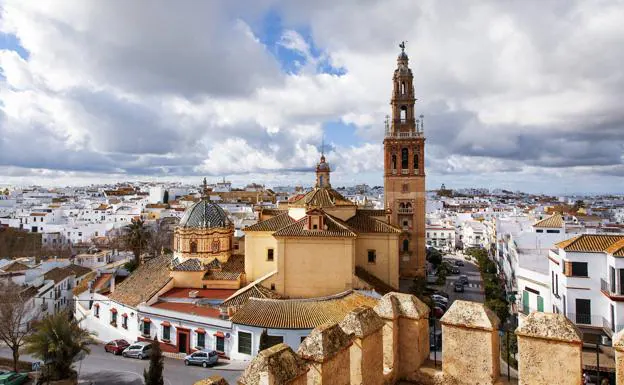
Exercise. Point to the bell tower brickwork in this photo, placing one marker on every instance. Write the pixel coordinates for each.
(404, 171)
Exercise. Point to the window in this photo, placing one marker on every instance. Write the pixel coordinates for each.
(201, 340)
(579, 269)
(416, 167)
(583, 311)
(166, 332)
(402, 88)
(244, 343)
(540, 303)
(114, 317)
(404, 158)
(302, 338)
(552, 281)
(372, 256)
(552, 231)
(611, 279)
(405, 245)
(220, 344)
(97, 311)
(403, 113)
(394, 162)
(539, 231)
(146, 328)
(270, 254)
(556, 285)
(273, 287)
(274, 340)
(193, 247)
(124, 322)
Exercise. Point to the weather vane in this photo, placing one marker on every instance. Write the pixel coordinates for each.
(402, 45)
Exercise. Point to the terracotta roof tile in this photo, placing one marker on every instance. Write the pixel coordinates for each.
(192, 264)
(364, 223)
(373, 212)
(57, 274)
(591, 243)
(272, 224)
(322, 197)
(617, 249)
(15, 266)
(144, 283)
(253, 290)
(553, 221)
(380, 286)
(335, 228)
(78, 270)
(299, 313)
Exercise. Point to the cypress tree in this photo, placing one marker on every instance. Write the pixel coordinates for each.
(154, 374)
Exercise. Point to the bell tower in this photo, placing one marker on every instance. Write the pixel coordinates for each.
(404, 170)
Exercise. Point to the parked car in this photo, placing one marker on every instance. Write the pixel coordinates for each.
(442, 293)
(463, 279)
(437, 297)
(437, 312)
(441, 305)
(12, 378)
(139, 350)
(116, 346)
(459, 262)
(455, 270)
(458, 287)
(204, 358)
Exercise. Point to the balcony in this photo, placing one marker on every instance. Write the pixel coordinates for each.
(404, 135)
(609, 290)
(609, 328)
(585, 319)
(405, 210)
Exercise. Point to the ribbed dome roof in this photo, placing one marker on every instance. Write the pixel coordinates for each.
(205, 214)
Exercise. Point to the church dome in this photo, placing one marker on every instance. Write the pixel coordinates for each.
(205, 214)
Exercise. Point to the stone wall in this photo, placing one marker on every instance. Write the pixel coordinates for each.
(390, 344)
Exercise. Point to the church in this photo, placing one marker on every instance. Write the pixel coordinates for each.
(307, 262)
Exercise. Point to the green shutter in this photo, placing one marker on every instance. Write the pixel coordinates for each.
(525, 302)
(540, 303)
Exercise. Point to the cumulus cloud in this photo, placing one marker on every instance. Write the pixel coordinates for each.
(157, 89)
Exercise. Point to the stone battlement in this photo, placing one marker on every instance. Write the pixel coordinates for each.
(390, 344)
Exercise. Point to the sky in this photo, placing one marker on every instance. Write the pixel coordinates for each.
(517, 95)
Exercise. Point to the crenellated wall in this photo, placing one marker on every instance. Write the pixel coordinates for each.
(390, 344)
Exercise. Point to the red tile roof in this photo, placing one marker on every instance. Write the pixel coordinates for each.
(181, 292)
(188, 308)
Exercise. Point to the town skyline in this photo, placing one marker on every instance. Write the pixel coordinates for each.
(509, 100)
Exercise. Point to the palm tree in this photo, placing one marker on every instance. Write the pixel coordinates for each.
(59, 339)
(137, 237)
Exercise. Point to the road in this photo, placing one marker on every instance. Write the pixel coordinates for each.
(104, 368)
(473, 291)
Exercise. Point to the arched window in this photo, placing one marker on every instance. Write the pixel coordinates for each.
(416, 167)
(403, 113)
(404, 158)
(394, 162)
(401, 205)
(405, 245)
(402, 88)
(408, 205)
(193, 247)
(321, 180)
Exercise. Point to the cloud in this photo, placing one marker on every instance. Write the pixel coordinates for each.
(156, 89)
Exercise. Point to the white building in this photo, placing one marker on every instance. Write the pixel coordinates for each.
(441, 237)
(587, 280)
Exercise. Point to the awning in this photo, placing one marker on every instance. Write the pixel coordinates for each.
(146, 320)
(97, 305)
(165, 323)
(219, 334)
(200, 331)
(113, 310)
(125, 315)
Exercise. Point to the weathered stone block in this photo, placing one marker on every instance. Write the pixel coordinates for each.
(212, 380)
(277, 365)
(366, 352)
(326, 351)
(618, 346)
(470, 344)
(549, 350)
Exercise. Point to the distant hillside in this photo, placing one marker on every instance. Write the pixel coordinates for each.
(17, 243)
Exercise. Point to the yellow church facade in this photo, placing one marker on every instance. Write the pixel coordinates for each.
(321, 244)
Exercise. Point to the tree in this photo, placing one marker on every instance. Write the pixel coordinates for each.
(17, 310)
(434, 256)
(166, 196)
(154, 374)
(59, 339)
(264, 340)
(137, 237)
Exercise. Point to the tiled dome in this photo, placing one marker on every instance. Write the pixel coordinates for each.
(205, 214)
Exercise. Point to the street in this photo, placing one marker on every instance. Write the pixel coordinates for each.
(473, 291)
(100, 367)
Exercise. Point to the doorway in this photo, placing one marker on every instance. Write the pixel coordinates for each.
(182, 342)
